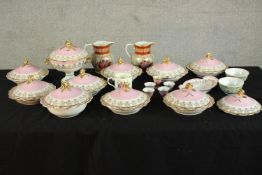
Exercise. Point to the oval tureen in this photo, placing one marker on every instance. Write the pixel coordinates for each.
(207, 66)
(188, 101)
(88, 82)
(167, 70)
(66, 101)
(125, 100)
(20, 74)
(30, 92)
(239, 104)
(68, 59)
(121, 67)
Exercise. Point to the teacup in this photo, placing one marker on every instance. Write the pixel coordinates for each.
(230, 85)
(237, 72)
(150, 84)
(120, 79)
(169, 84)
(149, 91)
(163, 90)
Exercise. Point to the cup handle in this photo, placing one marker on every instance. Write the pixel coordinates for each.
(126, 49)
(108, 82)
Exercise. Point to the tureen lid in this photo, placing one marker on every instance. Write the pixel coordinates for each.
(188, 98)
(31, 89)
(87, 81)
(167, 69)
(239, 104)
(67, 96)
(124, 97)
(22, 72)
(121, 67)
(68, 52)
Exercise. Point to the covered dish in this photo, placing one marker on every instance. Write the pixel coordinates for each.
(121, 67)
(239, 104)
(88, 82)
(20, 74)
(167, 70)
(68, 59)
(125, 100)
(30, 92)
(66, 101)
(207, 66)
(188, 101)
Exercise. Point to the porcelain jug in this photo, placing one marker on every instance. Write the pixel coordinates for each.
(120, 79)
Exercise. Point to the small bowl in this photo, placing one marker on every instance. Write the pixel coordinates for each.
(237, 72)
(169, 84)
(149, 91)
(230, 85)
(163, 90)
(150, 84)
(157, 80)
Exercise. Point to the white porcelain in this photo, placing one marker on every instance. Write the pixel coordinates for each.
(237, 72)
(230, 85)
(150, 84)
(149, 91)
(169, 84)
(120, 79)
(239, 104)
(205, 84)
(163, 90)
(21, 73)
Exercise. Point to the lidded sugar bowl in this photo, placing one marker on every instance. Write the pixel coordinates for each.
(125, 100)
(121, 67)
(88, 82)
(239, 104)
(21, 74)
(68, 59)
(30, 92)
(207, 65)
(167, 70)
(66, 101)
(188, 101)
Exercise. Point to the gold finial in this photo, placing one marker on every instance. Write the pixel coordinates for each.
(65, 85)
(30, 78)
(120, 60)
(126, 87)
(165, 60)
(209, 55)
(189, 86)
(69, 45)
(82, 73)
(241, 93)
(26, 62)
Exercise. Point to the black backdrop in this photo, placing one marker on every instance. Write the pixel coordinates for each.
(154, 141)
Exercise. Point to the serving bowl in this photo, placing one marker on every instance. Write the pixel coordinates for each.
(237, 72)
(230, 85)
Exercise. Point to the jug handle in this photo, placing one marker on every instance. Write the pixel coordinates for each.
(86, 45)
(126, 49)
(88, 58)
(108, 82)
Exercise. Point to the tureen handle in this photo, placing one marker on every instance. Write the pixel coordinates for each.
(126, 49)
(108, 82)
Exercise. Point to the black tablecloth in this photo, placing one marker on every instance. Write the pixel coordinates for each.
(155, 141)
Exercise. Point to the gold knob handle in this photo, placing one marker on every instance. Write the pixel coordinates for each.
(165, 60)
(209, 55)
(82, 73)
(30, 79)
(120, 60)
(69, 45)
(47, 61)
(241, 93)
(189, 86)
(26, 62)
(65, 85)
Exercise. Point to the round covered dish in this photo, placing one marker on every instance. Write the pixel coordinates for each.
(207, 66)
(167, 70)
(88, 82)
(188, 101)
(20, 74)
(121, 67)
(66, 101)
(30, 92)
(239, 104)
(125, 100)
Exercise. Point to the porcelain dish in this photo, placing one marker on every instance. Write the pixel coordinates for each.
(88, 82)
(30, 92)
(207, 66)
(188, 101)
(230, 85)
(237, 72)
(239, 104)
(21, 74)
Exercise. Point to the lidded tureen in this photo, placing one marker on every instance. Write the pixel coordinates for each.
(30, 92)
(68, 59)
(121, 67)
(66, 101)
(207, 65)
(188, 101)
(167, 70)
(88, 82)
(239, 104)
(125, 100)
(20, 74)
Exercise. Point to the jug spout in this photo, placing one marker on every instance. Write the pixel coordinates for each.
(103, 43)
(144, 43)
